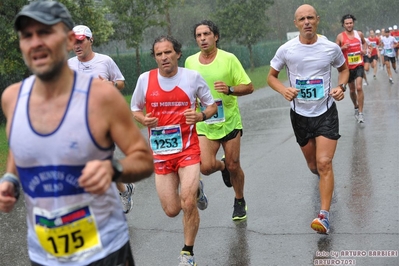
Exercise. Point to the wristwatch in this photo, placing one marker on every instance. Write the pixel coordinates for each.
(343, 87)
(203, 116)
(116, 84)
(231, 90)
(118, 169)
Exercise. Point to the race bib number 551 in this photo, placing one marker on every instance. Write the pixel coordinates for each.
(310, 89)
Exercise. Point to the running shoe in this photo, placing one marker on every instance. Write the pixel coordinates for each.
(202, 200)
(321, 225)
(126, 197)
(356, 113)
(395, 71)
(391, 80)
(240, 210)
(360, 118)
(374, 77)
(185, 259)
(226, 174)
(365, 83)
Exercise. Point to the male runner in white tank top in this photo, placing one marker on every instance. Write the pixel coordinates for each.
(61, 127)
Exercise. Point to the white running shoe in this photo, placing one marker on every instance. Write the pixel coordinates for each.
(202, 200)
(185, 259)
(127, 200)
(360, 118)
(356, 113)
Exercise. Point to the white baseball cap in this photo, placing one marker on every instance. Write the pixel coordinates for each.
(390, 28)
(395, 27)
(81, 32)
(377, 31)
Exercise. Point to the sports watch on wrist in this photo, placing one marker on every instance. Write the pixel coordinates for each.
(118, 169)
(116, 84)
(343, 87)
(231, 90)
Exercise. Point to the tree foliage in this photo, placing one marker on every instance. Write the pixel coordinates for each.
(10, 57)
(249, 27)
(82, 11)
(93, 15)
(12, 67)
(133, 17)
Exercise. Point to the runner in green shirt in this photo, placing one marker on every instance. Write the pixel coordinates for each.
(227, 79)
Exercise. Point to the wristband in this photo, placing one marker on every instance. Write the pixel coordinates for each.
(10, 177)
(203, 116)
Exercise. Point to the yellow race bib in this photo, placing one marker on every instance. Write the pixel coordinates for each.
(68, 234)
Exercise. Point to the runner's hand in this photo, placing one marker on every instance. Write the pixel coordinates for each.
(7, 198)
(192, 116)
(150, 121)
(290, 93)
(337, 93)
(221, 87)
(96, 176)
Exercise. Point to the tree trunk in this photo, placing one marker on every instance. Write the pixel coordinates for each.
(138, 61)
(167, 17)
(251, 57)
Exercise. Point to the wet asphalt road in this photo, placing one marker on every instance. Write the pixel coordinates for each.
(281, 194)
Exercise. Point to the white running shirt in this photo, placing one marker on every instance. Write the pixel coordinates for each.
(309, 62)
(101, 64)
(389, 43)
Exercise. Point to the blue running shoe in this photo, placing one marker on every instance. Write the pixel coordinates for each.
(321, 225)
(202, 200)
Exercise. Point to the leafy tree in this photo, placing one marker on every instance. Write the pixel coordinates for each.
(10, 57)
(133, 17)
(93, 15)
(247, 28)
(12, 67)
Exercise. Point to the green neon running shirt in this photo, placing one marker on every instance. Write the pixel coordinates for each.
(227, 68)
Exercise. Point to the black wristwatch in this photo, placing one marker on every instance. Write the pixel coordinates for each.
(203, 116)
(118, 169)
(343, 87)
(116, 84)
(231, 90)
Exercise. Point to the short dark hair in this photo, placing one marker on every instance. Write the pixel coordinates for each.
(211, 25)
(346, 17)
(169, 38)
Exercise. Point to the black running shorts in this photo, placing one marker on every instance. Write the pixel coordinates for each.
(356, 72)
(326, 125)
(390, 59)
(121, 257)
(232, 135)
